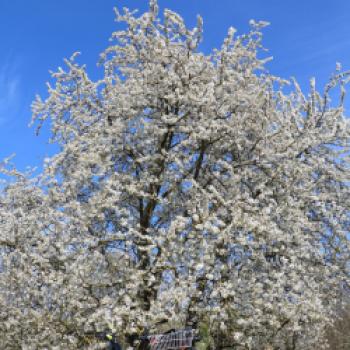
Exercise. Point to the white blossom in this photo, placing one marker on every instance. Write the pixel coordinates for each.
(189, 190)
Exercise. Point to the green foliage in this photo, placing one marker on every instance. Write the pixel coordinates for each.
(206, 340)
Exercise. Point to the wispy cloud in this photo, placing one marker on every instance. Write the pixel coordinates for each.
(9, 91)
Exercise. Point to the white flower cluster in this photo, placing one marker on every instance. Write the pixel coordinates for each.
(189, 189)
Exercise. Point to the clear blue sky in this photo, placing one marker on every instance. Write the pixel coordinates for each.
(306, 38)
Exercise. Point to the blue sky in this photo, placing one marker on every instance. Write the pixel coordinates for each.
(306, 38)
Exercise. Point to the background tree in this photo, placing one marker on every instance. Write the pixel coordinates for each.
(189, 190)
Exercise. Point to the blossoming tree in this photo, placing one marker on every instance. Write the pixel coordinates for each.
(190, 189)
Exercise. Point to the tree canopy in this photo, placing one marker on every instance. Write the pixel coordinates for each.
(190, 189)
